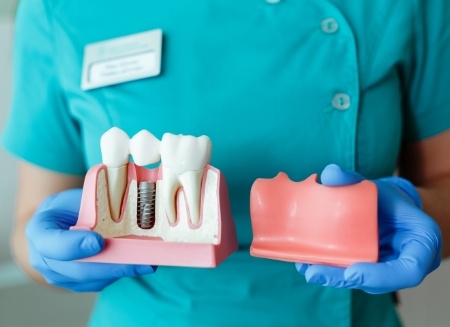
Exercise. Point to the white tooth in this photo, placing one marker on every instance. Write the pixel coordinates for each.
(115, 148)
(192, 183)
(144, 147)
(183, 159)
(169, 190)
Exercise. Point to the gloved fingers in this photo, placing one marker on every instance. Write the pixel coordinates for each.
(394, 203)
(46, 237)
(111, 270)
(333, 175)
(326, 276)
(60, 280)
(70, 200)
(408, 270)
(88, 271)
(418, 241)
(388, 254)
(404, 187)
(94, 286)
(378, 278)
(301, 267)
(424, 255)
(411, 267)
(86, 276)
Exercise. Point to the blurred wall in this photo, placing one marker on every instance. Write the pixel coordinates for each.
(24, 304)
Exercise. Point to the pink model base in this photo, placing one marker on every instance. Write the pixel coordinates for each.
(311, 223)
(132, 249)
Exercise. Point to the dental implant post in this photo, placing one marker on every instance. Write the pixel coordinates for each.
(146, 204)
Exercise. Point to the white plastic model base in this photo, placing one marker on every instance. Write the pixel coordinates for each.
(182, 243)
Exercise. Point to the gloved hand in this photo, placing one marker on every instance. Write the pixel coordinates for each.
(53, 246)
(410, 240)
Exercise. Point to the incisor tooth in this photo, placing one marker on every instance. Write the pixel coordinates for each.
(114, 145)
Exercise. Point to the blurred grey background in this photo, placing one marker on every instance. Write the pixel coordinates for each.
(23, 303)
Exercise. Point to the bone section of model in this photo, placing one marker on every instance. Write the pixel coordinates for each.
(115, 148)
(183, 161)
(206, 232)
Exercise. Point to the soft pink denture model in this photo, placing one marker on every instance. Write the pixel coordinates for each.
(311, 223)
(206, 244)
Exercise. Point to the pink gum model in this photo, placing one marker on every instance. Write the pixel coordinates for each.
(311, 223)
(139, 248)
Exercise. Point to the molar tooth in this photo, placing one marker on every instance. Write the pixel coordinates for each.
(183, 160)
(144, 147)
(114, 145)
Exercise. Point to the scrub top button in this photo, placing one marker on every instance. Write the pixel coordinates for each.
(341, 101)
(330, 25)
(273, 1)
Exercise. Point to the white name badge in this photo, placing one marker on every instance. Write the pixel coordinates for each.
(122, 59)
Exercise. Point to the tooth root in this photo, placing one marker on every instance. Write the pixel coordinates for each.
(117, 183)
(170, 186)
(192, 184)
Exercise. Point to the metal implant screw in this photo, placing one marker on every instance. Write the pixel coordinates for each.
(146, 204)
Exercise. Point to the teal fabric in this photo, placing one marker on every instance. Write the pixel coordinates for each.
(259, 79)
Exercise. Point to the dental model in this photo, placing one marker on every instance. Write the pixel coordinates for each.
(177, 214)
(311, 223)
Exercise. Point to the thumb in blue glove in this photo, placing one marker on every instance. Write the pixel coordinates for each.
(410, 240)
(53, 247)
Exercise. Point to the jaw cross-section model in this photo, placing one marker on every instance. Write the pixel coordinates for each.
(309, 222)
(177, 214)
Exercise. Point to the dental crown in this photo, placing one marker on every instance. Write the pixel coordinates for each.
(311, 223)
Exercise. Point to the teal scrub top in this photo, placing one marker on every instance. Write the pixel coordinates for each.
(289, 85)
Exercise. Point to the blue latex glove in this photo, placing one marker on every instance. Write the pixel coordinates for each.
(53, 246)
(410, 240)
